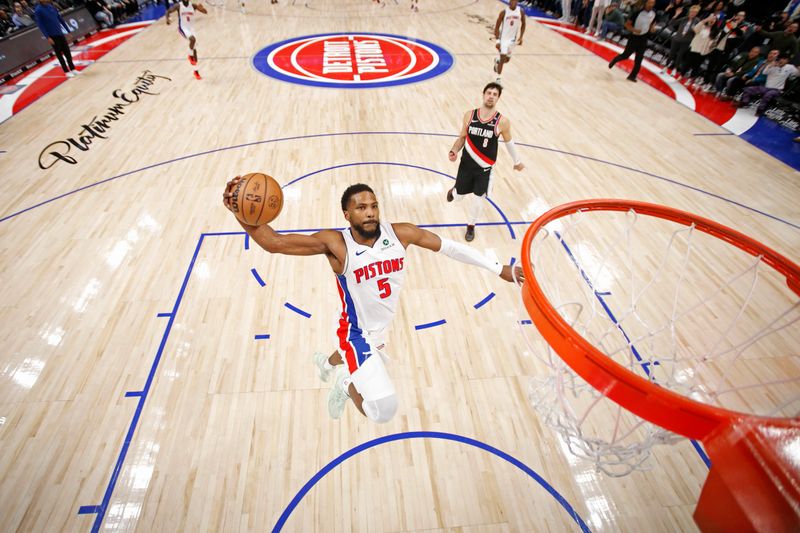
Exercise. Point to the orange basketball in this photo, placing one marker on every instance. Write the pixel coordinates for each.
(257, 199)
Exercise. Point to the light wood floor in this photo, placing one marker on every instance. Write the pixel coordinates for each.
(233, 427)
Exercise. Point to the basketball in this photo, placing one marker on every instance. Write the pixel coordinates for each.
(257, 199)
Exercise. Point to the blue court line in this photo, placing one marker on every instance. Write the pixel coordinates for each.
(262, 337)
(163, 315)
(258, 278)
(484, 301)
(599, 296)
(525, 322)
(430, 324)
(297, 310)
(301, 137)
(714, 135)
(428, 435)
(101, 509)
(133, 393)
(389, 163)
(246, 241)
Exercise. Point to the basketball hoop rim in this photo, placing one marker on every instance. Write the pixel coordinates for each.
(647, 400)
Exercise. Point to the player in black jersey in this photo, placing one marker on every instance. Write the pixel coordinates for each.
(479, 136)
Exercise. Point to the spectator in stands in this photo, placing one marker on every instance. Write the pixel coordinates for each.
(583, 12)
(792, 9)
(54, 28)
(777, 22)
(19, 18)
(28, 10)
(566, 11)
(6, 25)
(777, 73)
(785, 41)
(701, 45)
(682, 38)
(736, 70)
(640, 25)
(715, 8)
(676, 9)
(614, 20)
(100, 12)
(734, 27)
(596, 20)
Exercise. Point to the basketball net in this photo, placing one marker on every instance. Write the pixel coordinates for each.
(684, 310)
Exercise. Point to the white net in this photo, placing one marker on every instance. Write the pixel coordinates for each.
(683, 309)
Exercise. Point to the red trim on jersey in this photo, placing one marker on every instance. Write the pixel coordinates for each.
(343, 333)
(478, 116)
(472, 150)
(497, 125)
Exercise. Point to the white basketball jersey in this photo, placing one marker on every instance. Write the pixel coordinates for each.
(511, 22)
(369, 290)
(185, 15)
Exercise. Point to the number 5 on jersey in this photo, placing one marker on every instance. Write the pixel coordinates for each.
(384, 287)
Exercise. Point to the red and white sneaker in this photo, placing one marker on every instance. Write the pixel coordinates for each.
(192, 60)
(197, 75)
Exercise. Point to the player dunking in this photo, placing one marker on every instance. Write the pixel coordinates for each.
(186, 12)
(480, 131)
(369, 260)
(508, 31)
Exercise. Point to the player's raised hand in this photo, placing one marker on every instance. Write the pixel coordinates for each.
(451, 155)
(519, 166)
(226, 196)
(512, 274)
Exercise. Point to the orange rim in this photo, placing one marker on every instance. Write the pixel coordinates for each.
(647, 400)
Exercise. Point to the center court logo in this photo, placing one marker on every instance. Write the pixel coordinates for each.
(352, 60)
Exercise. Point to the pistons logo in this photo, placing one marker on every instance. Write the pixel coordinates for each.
(353, 60)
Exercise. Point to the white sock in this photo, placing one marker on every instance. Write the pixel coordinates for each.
(475, 209)
(327, 365)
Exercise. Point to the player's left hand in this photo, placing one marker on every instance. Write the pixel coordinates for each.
(497, 46)
(507, 275)
(519, 166)
(519, 42)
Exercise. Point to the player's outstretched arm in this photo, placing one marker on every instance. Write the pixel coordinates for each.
(201, 8)
(522, 29)
(505, 131)
(277, 243)
(497, 25)
(411, 234)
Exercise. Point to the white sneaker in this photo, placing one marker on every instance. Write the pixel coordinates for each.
(70, 74)
(496, 63)
(498, 81)
(76, 72)
(337, 397)
(320, 360)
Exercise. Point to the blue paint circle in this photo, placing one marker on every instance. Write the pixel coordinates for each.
(429, 435)
(260, 63)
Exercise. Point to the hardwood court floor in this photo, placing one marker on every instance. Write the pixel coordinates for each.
(117, 418)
